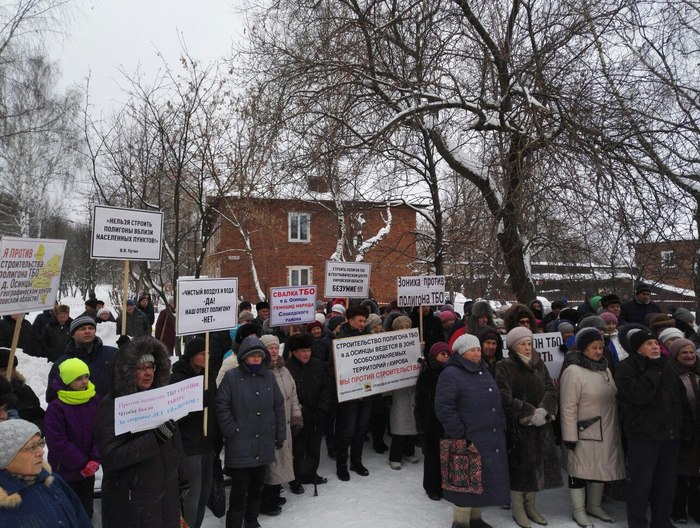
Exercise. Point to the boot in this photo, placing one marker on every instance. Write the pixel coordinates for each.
(358, 468)
(341, 465)
(460, 517)
(234, 519)
(475, 520)
(268, 504)
(595, 496)
(517, 506)
(531, 511)
(578, 501)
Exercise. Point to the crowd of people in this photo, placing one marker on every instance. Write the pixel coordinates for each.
(621, 418)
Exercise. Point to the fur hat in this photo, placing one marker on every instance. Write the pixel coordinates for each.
(7, 396)
(482, 309)
(251, 345)
(439, 346)
(372, 321)
(298, 341)
(354, 311)
(193, 347)
(13, 435)
(465, 342)
(586, 336)
(245, 330)
(335, 321)
(71, 369)
(79, 322)
(639, 338)
(670, 333)
(91, 302)
(608, 299)
(679, 344)
(139, 350)
(658, 322)
(269, 339)
(641, 288)
(5, 358)
(517, 335)
(570, 314)
(401, 320)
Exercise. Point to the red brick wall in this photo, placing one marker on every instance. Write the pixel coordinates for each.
(268, 224)
(648, 258)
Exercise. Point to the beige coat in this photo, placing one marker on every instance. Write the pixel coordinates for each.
(586, 394)
(282, 469)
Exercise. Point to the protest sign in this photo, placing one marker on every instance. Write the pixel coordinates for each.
(206, 305)
(548, 346)
(376, 363)
(148, 409)
(424, 290)
(347, 279)
(126, 234)
(30, 273)
(292, 305)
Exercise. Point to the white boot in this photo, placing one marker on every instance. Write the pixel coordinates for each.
(531, 511)
(476, 521)
(460, 517)
(595, 497)
(578, 501)
(517, 506)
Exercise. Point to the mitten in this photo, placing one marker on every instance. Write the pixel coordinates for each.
(165, 431)
(539, 417)
(90, 469)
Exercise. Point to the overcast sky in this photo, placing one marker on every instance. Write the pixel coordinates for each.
(105, 35)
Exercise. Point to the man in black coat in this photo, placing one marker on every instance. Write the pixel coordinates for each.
(313, 390)
(636, 310)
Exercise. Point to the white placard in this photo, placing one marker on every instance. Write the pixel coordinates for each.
(547, 345)
(206, 305)
(347, 279)
(126, 234)
(376, 363)
(30, 273)
(423, 290)
(292, 305)
(148, 409)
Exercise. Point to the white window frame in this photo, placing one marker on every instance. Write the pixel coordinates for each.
(297, 238)
(291, 270)
(668, 259)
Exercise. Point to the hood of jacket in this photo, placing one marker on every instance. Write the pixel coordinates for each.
(124, 381)
(10, 487)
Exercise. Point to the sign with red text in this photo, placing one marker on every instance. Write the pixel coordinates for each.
(376, 363)
(292, 305)
(206, 305)
(547, 345)
(423, 290)
(347, 279)
(126, 234)
(149, 409)
(30, 273)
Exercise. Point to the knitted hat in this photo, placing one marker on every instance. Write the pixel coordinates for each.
(146, 358)
(447, 308)
(103, 311)
(682, 314)
(517, 335)
(438, 347)
(130, 302)
(465, 342)
(401, 320)
(251, 345)
(298, 341)
(13, 435)
(670, 333)
(193, 347)
(678, 345)
(641, 288)
(313, 325)
(320, 305)
(565, 326)
(79, 322)
(338, 308)
(320, 318)
(372, 321)
(269, 339)
(92, 303)
(592, 321)
(335, 321)
(246, 316)
(608, 317)
(608, 299)
(638, 338)
(587, 336)
(71, 369)
(5, 358)
(447, 315)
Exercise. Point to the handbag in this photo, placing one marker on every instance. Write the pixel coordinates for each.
(460, 466)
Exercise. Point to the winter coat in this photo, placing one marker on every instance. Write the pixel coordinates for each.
(99, 358)
(28, 405)
(652, 399)
(324, 350)
(634, 312)
(48, 503)
(468, 404)
(589, 394)
(192, 426)
(69, 435)
(29, 340)
(149, 311)
(142, 475)
(314, 387)
(402, 420)
(432, 328)
(229, 363)
(55, 338)
(282, 469)
(165, 329)
(250, 409)
(136, 324)
(533, 459)
(427, 422)
(689, 455)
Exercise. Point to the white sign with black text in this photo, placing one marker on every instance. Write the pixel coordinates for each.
(126, 234)
(423, 290)
(347, 279)
(206, 305)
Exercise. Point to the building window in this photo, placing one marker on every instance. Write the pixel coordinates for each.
(299, 227)
(668, 259)
(299, 275)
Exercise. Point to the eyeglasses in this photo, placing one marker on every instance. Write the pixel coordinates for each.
(145, 368)
(36, 446)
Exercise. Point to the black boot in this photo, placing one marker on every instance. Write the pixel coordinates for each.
(234, 519)
(341, 465)
(268, 504)
(358, 468)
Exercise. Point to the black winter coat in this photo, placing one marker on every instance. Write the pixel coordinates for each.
(634, 312)
(432, 329)
(313, 389)
(427, 422)
(29, 341)
(28, 404)
(55, 338)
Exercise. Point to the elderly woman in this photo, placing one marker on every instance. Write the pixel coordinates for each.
(687, 500)
(30, 496)
(468, 404)
(590, 426)
(530, 403)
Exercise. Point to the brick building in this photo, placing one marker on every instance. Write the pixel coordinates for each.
(669, 262)
(290, 241)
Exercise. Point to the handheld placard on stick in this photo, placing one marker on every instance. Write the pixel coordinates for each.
(13, 346)
(420, 322)
(125, 296)
(206, 378)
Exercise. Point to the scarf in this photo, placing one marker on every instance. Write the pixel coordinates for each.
(28, 480)
(71, 397)
(580, 359)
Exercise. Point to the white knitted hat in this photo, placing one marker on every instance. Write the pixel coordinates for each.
(13, 435)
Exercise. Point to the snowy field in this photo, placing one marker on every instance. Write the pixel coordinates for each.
(385, 499)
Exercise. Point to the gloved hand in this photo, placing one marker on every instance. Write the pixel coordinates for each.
(165, 431)
(90, 469)
(570, 445)
(123, 340)
(184, 488)
(539, 417)
(279, 444)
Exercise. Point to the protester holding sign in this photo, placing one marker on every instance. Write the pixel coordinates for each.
(143, 481)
